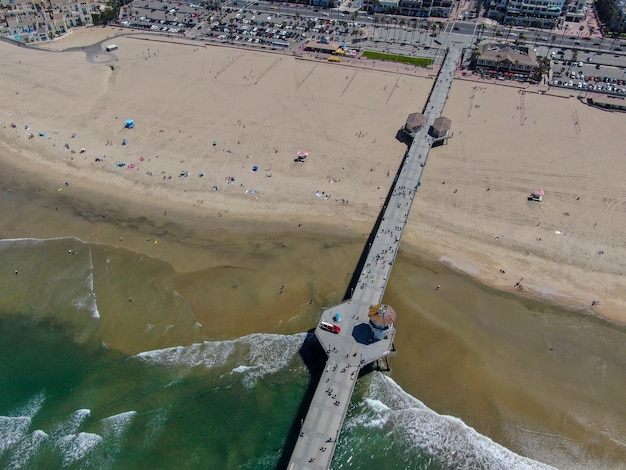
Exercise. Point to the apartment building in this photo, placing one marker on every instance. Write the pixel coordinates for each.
(537, 13)
(413, 8)
(28, 21)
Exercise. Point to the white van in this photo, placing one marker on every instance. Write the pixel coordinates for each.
(111, 48)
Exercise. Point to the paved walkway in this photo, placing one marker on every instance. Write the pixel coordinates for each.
(351, 348)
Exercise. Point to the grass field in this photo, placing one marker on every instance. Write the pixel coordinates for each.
(419, 61)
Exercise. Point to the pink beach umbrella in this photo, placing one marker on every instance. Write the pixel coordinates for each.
(539, 192)
(302, 153)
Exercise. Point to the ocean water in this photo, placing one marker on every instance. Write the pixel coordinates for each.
(71, 400)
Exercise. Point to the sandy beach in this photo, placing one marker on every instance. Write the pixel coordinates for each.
(233, 121)
(178, 195)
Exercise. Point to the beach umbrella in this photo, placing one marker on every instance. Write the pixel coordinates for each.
(539, 192)
(302, 153)
(255, 168)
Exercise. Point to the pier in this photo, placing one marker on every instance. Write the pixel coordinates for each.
(353, 346)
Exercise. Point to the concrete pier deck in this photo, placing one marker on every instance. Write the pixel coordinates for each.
(352, 348)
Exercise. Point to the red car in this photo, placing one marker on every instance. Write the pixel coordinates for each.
(330, 327)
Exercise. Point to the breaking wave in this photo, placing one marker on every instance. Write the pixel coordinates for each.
(255, 355)
(446, 439)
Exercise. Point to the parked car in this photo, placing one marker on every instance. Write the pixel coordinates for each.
(330, 327)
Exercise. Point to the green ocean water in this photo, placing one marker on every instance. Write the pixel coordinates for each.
(180, 399)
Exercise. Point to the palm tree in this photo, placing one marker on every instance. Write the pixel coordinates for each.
(498, 59)
(403, 29)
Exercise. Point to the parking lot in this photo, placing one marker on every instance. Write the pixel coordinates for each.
(589, 75)
(163, 16)
(195, 21)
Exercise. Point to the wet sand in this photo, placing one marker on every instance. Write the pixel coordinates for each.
(479, 354)
(543, 381)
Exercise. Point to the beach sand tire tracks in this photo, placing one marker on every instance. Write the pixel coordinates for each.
(306, 77)
(228, 65)
(395, 85)
(265, 72)
(349, 82)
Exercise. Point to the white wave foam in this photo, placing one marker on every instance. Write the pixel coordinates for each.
(31, 241)
(76, 447)
(205, 354)
(376, 418)
(269, 354)
(87, 300)
(447, 439)
(12, 430)
(257, 355)
(71, 424)
(94, 304)
(31, 407)
(114, 427)
(154, 427)
(26, 449)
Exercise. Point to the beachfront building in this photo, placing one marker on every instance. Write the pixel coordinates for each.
(413, 124)
(324, 46)
(505, 59)
(413, 8)
(28, 21)
(575, 10)
(611, 103)
(528, 13)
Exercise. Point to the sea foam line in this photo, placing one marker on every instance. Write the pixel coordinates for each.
(12, 430)
(94, 308)
(256, 355)
(31, 407)
(447, 439)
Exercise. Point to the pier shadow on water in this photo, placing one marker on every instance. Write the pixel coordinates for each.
(314, 357)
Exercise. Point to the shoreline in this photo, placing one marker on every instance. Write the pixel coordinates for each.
(512, 369)
(572, 281)
(190, 223)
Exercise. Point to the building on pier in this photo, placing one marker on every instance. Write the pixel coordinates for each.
(413, 124)
(381, 320)
(441, 130)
